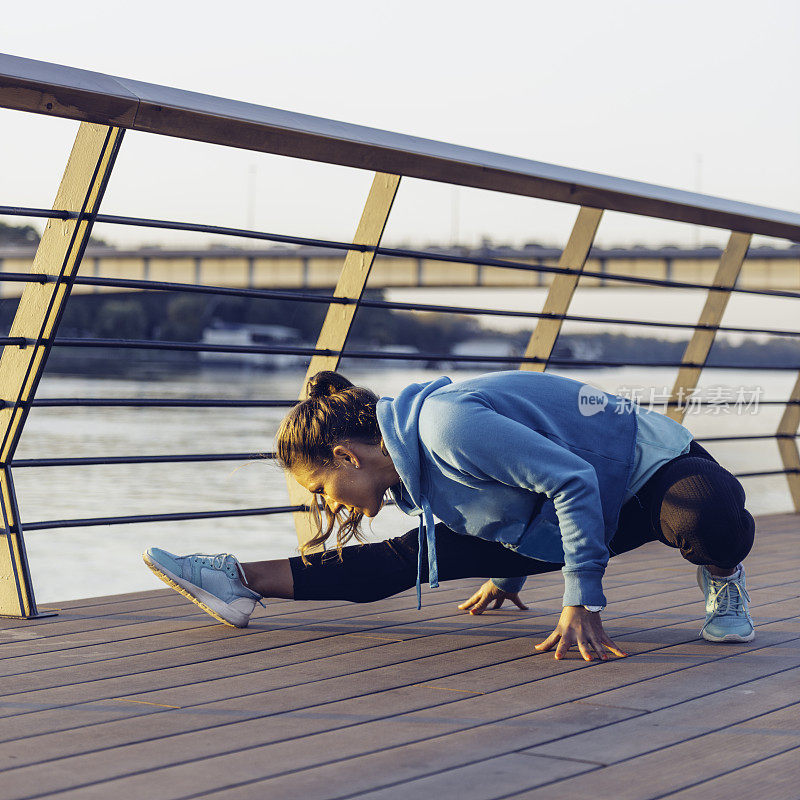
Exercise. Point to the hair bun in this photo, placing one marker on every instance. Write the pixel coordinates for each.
(326, 383)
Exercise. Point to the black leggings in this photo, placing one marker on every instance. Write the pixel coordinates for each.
(690, 503)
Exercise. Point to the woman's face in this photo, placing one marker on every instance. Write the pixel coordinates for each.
(356, 481)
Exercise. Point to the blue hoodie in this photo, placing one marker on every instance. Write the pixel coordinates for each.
(537, 462)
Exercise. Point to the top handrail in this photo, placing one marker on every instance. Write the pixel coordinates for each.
(45, 88)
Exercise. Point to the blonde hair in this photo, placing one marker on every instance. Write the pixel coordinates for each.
(333, 412)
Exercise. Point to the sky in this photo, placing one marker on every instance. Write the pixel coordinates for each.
(698, 95)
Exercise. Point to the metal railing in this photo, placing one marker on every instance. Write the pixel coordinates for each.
(107, 106)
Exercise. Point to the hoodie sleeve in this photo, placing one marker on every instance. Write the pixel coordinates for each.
(473, 438)
(509, 585)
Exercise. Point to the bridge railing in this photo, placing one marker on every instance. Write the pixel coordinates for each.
(108, 106)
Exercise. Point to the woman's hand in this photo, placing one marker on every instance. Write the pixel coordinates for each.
(488, 592)
(581, 627)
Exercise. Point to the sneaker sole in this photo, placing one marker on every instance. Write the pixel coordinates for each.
(199, 597)
(730, 638)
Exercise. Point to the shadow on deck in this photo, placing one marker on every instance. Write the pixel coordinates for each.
(142, 695)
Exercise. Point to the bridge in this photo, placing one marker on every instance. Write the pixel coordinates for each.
(138, 695)
(304, 267)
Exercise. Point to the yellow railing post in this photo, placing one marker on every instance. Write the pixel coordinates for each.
(336, 325)
(697, 350)
(38, 314)
(574, 256)
(787, 443)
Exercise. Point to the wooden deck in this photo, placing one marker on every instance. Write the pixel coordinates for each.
(137, 696)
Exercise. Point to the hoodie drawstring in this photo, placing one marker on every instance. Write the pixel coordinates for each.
(427, 537)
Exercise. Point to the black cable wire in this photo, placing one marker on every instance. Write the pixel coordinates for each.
(762, 474)
(746, 436)
(90, 402)
(25, 277)
(387, 355)
(247, 512)
(760, 402)
(172, 286)
(267, 455)
(109, 460)
(44, 213)
(89, 522)
(145, 402)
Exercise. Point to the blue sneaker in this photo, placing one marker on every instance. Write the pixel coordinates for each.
(215, 583)
(727, 615)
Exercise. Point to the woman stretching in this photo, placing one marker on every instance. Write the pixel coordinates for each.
(527, 472)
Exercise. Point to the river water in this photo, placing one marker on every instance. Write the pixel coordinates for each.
(72, 562)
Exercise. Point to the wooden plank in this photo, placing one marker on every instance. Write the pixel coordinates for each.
(306, 722)
(393, 758)
(647, 637)
(223, 703)
(193, 623)
(776, 521)
(345, 668)
(162, 680)
(453, 592)
(740, 667)
(562, 288)
(59, 630)
(161, 697)
(671, 769)
(486, 780)
(348, 689)
(744, 696)
(771, 778)
(79, 623)
(26, 666)
(641, 733)
(262, 724)
(282, 757)
(233, 660)
(384, 623)
(112, 599)
(123, 606)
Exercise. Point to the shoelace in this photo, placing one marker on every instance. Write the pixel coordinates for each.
(216, 561)
(732, 601)
(220, 561)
